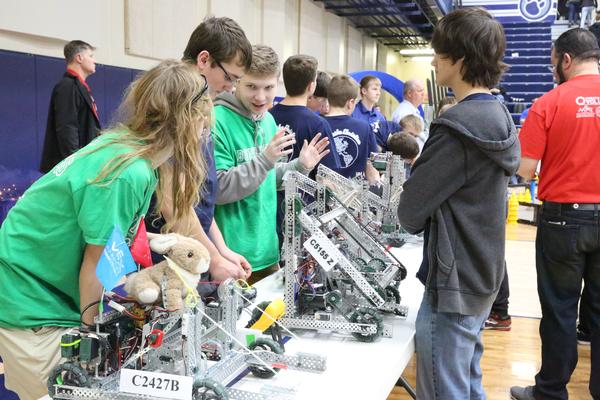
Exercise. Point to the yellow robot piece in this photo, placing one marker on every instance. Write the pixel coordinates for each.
(272, 313)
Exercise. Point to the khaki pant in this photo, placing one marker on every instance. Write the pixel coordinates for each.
(28, 358)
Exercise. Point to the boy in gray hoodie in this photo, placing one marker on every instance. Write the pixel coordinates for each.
(456, 194)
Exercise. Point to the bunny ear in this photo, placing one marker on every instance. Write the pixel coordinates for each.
(151, 235)
(163, 243)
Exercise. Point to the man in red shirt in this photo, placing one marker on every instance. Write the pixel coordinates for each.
(563, 131)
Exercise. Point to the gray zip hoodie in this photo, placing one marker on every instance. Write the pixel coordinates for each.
(241, 181)
(458, 189)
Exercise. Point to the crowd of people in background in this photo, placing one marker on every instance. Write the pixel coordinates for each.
(582, 12)
(202, 152)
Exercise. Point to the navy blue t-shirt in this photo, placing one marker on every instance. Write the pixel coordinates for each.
(424, 267)
(354, 141)
(305, 124)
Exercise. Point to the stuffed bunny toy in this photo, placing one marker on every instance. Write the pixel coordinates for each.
(185, 260)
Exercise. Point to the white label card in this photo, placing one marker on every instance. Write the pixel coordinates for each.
(322, 250)
(156, 384)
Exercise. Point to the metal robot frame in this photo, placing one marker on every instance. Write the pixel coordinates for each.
(184, 334)
(357, 278)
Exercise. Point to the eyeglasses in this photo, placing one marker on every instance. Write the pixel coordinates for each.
(201, 92)
(228, 77)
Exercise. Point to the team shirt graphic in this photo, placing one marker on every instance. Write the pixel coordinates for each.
(589, 107)
(354, 141)
(347, 144)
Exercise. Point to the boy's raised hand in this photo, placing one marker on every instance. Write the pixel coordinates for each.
(313, 152)
(276, 147)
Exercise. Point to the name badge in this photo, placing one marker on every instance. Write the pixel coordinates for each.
(156, 384)
(323, 251)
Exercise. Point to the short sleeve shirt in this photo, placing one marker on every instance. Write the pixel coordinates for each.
(562, 130)
(354, 141)
(305, 124)
(376, 120)
(43, 239)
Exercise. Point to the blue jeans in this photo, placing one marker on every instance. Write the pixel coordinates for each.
(567, 253)
(449, 350)
(573, 13)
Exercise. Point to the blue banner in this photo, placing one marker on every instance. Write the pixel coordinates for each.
(116, 260)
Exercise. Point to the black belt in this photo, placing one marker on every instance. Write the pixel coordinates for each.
(549, 205)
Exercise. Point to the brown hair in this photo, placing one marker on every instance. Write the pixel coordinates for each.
(472, 34)
(364, 82)
(223, 38)
(404, 145)
(448, 100)
(162, 109)
(411, 121)
(265, 61)
(323, 80)
(341, 89)
(298, 72)
(75, 47)
(445, 104)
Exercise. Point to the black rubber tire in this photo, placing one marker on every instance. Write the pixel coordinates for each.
(367, 316)
(208, 389)
(74, 375)
(265, 344)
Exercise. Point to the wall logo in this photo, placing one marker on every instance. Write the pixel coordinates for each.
(347, 144)
(535, 10)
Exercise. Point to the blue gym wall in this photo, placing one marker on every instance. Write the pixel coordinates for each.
(26, 83)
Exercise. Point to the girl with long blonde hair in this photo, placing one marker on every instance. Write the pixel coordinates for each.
(52, 239)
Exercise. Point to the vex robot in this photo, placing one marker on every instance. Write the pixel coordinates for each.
(377, 211)
(198, 342)
(338, 275)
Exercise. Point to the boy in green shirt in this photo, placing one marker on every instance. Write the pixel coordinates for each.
(247, 148)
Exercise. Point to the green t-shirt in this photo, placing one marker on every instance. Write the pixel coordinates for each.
(42, 240)
(247, 225)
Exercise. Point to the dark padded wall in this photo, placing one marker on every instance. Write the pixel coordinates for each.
(18, 135)
(26, 83)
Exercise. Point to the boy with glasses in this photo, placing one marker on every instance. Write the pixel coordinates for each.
(221, 52)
